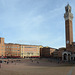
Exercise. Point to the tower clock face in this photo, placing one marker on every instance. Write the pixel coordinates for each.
(67, 42)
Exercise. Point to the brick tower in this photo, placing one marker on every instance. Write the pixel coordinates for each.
(68, 25)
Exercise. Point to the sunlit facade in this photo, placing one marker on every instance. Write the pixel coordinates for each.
(2, 48)
(12, 50)
(30, 51)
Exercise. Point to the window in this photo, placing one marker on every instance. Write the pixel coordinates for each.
(29, 47)
(71, 45)
(16, 53)
(21, 53)
(37, 53)
(28, 53)
(66, 10)
(2, 52)
(32, 53)
(2, 41)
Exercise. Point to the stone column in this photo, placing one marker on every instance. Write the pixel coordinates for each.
(70, 57)
(67, 57)
(62, 57)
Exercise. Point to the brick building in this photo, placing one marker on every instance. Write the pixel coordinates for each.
(12, 50)
(28, 51)
(69, 54)
(2, 48)
(46, 51)
(60, 50)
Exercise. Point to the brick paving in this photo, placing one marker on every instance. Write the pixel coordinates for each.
(28, 67)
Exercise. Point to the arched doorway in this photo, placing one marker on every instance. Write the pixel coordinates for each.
(65, 56)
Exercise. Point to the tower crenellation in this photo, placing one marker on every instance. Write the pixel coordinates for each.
(68, 15)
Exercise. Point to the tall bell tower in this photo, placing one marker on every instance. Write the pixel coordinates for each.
(68, 25)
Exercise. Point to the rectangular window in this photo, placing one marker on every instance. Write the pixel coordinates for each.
(2, 52)
(21, 53)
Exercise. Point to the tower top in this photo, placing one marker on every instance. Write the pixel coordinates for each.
(68, 15)
(68, 5)
(68, 8)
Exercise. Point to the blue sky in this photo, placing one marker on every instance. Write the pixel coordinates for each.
(35, 22)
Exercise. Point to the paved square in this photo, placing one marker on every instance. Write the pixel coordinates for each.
(28, 67)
